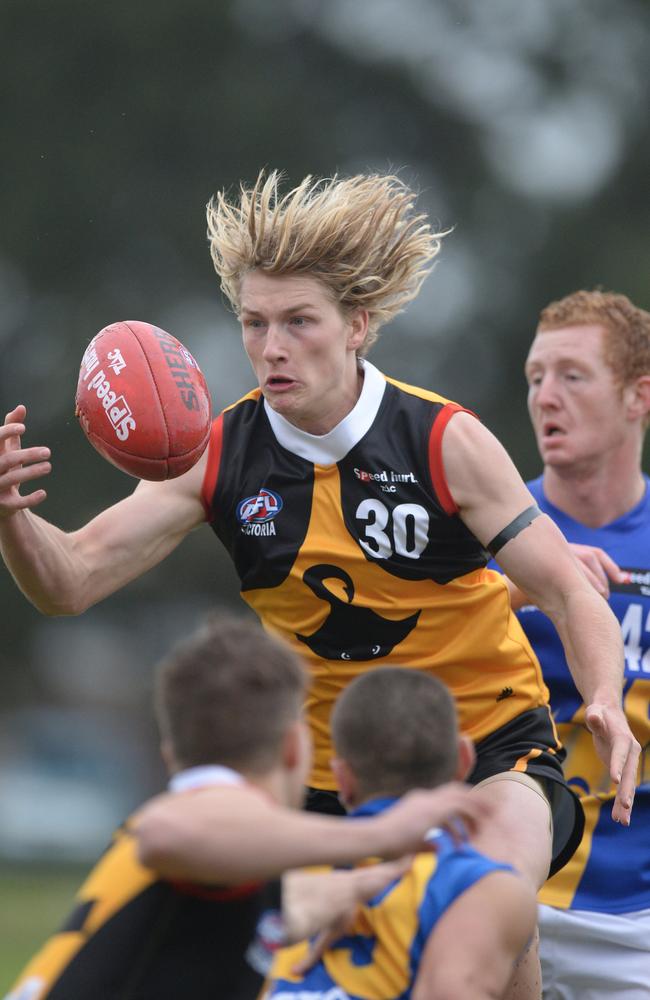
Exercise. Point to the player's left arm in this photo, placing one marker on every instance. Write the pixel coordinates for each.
(472, 951)
(598, 567)
(490, 496)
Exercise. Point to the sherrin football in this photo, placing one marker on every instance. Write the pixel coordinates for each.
(142, 401)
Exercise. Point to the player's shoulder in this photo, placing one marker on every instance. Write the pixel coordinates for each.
(461, 864)
(118, 866)
(414, 390)
(254, 396)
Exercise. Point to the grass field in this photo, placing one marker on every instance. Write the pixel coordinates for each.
(34, 901)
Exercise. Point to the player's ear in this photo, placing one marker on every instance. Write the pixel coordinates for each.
(346, 782)
(296, 747)
(291, 747)
(466, 757)
(168, 756)
(358, 332)
(637, 397)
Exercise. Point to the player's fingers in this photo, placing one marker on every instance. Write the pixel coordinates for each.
(23, 474)
(598, 581)
(621, 757)
(374, 878)
(624, 762)
(11, 427)
(419, 811)
(623, 802)
(20, 502)
(468, 819)
(317, 948)
(10, 434)
(594, 572)
(594, 720)
(611, 749)
(598, 565)
(622, 810)
(472, 811)
(611, 568)
(17, 414)
(616, 746)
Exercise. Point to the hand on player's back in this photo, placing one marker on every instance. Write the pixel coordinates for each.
(19, 465)
(449, 806)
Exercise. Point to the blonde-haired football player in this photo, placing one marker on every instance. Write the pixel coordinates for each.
(359, 512)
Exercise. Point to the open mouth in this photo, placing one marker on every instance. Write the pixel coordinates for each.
(552, 431)
(279, 382)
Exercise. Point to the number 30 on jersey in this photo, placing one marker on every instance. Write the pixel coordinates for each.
(404, 531)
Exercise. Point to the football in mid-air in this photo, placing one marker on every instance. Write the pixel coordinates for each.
(142, 401)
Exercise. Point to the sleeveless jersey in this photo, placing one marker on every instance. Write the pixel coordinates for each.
(378, 958)
(133, 936)
(610, 870)
(350, 547)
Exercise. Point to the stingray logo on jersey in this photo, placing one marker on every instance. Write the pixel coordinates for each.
(256, 513)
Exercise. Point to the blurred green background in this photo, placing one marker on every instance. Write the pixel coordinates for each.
(34, 898)
(523, 123)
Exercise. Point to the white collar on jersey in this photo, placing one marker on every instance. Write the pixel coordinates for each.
(327, 449)
(207, 774)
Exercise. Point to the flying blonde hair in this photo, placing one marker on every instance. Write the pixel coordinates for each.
(360, 236)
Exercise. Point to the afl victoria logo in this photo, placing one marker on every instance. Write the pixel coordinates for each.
(264, 506)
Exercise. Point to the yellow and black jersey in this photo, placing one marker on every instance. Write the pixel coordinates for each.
(349, 546)
(133, 936)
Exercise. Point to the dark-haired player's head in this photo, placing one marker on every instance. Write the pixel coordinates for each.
(232, 695)
(395, 729)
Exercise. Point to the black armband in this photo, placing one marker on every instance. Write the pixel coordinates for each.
(512, 530)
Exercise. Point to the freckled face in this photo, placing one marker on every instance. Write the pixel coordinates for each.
(302, 348)
(574, 402)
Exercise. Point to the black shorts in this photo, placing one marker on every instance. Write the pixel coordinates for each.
(528, 744)
(321, 800)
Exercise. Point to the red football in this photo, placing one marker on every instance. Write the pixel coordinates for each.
(142, 401)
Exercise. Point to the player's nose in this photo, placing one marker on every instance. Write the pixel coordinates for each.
(545, 392)
(275, 346)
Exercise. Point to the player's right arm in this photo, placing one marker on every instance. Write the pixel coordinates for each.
(66, 572)
(233, 835)
(473, 948)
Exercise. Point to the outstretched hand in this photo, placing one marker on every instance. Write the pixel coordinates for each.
(19, 465)
(619, 750)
